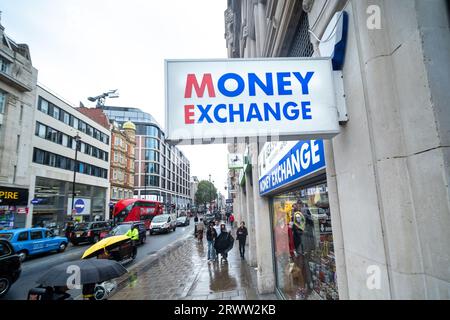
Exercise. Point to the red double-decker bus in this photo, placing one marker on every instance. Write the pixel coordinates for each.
(136, 210)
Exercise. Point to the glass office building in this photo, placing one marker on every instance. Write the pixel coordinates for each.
(162, 172)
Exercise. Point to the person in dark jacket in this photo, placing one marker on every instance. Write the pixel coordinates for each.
(211, 236)
(195, 225)
(241, 235)
(224, 242)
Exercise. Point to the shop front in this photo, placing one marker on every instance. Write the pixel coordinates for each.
(13, 207)
(293, 176)
(52, 206)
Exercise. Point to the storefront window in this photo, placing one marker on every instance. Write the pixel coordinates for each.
(304, 252)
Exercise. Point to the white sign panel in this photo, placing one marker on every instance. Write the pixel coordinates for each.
(81, 206)
(235, 161)
(215, 101)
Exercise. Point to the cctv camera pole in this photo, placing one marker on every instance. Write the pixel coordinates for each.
(77, 139)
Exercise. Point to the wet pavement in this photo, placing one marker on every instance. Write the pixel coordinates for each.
(183, 273)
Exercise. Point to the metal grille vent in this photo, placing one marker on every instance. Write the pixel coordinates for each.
(301, 45)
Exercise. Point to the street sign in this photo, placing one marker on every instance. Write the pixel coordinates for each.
(81, 206)
(235, 161)
(291, 161)
(36, 201)
(216, 101)
(229, 200)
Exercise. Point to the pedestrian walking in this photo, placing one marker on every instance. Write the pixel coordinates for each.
(195, 225)
(231, 221)
(241, 235)
(217, 227)
(200, 228)
(68, 230)
(211, 236)
(224, 242)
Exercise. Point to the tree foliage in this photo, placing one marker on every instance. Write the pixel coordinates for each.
(206, 192)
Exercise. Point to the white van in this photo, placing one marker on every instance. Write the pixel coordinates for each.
(163, 223)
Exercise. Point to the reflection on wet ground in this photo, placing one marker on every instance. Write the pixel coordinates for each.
(184, 273)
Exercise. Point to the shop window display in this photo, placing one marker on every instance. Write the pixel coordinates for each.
(304, 252)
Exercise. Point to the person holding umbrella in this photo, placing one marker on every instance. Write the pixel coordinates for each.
(86, 272)
(224, 242)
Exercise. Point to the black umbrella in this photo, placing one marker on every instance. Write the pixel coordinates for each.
(91, 271)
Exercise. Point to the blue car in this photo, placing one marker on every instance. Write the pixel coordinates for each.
(31, 241)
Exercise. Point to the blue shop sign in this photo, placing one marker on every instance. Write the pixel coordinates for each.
(303, 159)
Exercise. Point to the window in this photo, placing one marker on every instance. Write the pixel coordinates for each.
(89, 130)
(4, 250)
(63, 163)
(82, 126)
(35, 235)
(151, 143)
(48, 234)
(305, 213)
(38, 156)
(65, 141)
(5, 66)
(65, 117)
(82, 146)
(2, 101)
(55, 112)
(43, 105)
(116, 157)
(75, 123)
(52, 160)
(88, 149)
(40, 130)
(23, 236)
(151, 155)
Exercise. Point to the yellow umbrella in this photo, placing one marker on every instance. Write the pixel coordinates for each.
(102, 245)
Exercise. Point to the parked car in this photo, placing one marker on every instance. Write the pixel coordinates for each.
(10, 266)
(183, 221)
(124, 227)
(88, 232)
(31, 241)
(163, 223)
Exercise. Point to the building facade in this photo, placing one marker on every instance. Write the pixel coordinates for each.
(56, 156)
(123, 145)
(162, 172)
(194, 187)
(18, 80)
(385, 187)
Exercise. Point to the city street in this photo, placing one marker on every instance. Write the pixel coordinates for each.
(35, 266)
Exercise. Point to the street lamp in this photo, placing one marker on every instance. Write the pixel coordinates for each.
(77, 139)
(145, 179)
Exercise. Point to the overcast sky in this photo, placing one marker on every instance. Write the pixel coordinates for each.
(86, 47)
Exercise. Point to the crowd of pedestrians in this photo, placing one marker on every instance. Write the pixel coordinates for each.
(221, 240)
